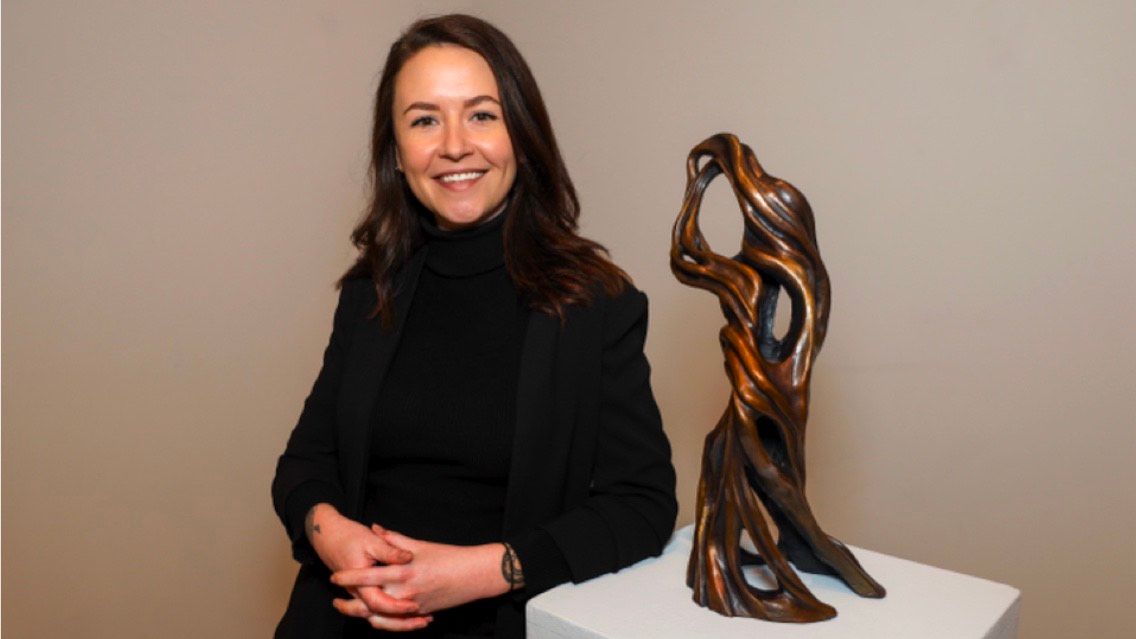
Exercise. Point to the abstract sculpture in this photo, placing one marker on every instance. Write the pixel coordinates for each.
(753, 463)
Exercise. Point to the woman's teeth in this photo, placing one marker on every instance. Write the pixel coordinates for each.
(458, 177)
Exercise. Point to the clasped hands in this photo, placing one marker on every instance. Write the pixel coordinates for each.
(415, 578)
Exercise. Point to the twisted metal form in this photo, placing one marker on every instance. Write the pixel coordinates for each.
(753, 463)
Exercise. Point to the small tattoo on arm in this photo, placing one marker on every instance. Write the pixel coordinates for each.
(511, 569)
(310, 524)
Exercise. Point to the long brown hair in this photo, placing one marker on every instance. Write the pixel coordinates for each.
(551, 266)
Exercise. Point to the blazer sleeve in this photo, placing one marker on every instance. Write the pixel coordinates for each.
(630, 510)
(307, 473)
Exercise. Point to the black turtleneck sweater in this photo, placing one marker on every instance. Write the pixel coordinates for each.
(443, 435)
(445, 415)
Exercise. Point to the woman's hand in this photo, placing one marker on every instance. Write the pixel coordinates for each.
(342, 544)
(439, 576)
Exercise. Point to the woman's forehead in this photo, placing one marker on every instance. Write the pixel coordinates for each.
(444, 73)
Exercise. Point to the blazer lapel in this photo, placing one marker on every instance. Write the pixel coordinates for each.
(533, 469)
(371, 354)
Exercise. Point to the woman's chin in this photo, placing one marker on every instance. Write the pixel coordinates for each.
(457, 220)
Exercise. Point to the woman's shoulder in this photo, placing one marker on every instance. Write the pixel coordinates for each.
(612, 310)
(625, 295)
(626, 308)
(356, 282)
(355, 287)
(356, 296)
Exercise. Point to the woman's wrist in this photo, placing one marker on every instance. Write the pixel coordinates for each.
(318, 515)
(511, 570)
(490, 562)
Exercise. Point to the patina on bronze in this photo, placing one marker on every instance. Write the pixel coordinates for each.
(753, 464)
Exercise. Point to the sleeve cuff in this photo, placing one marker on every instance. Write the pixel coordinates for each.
(541, 560)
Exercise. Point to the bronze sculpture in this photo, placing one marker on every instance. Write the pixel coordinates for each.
(753, 463)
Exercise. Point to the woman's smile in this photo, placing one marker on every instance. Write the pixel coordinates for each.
(460, 181)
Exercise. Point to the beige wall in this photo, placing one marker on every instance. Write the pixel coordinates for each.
(179, 180)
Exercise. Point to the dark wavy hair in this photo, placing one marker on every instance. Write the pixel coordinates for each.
(551, 266)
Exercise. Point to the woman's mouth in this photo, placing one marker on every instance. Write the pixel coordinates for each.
(458, 181)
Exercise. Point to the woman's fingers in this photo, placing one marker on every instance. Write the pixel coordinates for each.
(379, 602)
(380, 622)
(356, 608)
(352, 608)
(384, 552)
(397, 539)
(373, 576)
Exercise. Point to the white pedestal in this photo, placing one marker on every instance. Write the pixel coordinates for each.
(650, 600)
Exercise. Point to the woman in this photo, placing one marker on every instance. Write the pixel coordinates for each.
(484, 391)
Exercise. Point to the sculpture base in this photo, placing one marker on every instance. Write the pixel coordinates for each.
(651, 600)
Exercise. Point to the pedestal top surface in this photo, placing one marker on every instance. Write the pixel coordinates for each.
(651, 600)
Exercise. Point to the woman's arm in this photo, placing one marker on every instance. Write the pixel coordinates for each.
(630, 512)
(307, 472)
(306, 491)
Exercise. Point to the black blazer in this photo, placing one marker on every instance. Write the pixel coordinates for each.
(590, 465)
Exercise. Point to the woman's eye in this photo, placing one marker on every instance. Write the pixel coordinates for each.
(484, 116)
(422, 121)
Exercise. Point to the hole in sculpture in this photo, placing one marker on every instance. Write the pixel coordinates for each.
(783, 314)
(760, 576)
(757, 573)
(775, 309)
(701, 162)
(720, 219)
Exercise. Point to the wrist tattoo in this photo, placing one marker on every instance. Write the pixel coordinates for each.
(310, 525)
(511, 569)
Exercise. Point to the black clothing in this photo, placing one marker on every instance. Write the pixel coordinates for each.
(444, 419)
(445, 415)
(589, 487)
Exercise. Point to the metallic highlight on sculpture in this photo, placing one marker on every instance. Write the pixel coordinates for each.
(754, 459)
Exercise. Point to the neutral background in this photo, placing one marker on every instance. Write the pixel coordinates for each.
(179, 179)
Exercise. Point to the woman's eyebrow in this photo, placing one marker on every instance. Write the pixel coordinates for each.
(472, 102)
(424, 106)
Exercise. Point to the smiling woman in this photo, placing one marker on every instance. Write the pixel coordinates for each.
(484, 391)
(453, 146)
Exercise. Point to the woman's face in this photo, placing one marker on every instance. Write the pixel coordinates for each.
(453, 146)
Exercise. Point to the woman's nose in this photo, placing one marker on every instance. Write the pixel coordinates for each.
(455, 144)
